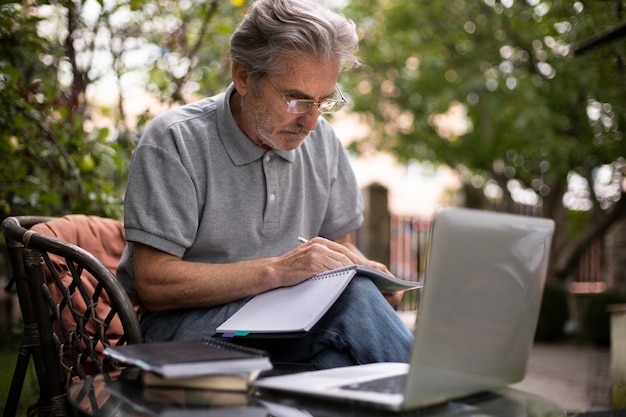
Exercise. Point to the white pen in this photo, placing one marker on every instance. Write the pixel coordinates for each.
(302, 240)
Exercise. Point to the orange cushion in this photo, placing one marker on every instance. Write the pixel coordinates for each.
(102, 237)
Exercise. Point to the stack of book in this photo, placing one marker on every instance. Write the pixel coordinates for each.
(194, 372)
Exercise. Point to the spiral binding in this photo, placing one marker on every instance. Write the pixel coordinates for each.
(332, 272)
(222, 344)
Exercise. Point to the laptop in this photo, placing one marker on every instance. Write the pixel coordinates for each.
(476, 320)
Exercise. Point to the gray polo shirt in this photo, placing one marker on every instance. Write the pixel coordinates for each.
(198, 188)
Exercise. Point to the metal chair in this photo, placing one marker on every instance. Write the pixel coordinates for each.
(72, 306)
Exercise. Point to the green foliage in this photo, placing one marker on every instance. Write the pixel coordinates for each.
(596, 319)
(575, 221)
(53, 161)
(526, 98)
(9, 348)
(553, 314)
(529, 112)
(65, 149)
(186, 46)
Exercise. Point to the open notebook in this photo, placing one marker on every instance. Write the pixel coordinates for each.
(477, 316)
(291, 311)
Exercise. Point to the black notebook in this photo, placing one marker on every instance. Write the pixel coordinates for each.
(188, 358)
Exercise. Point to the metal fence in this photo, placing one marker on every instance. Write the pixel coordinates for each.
(409, 248)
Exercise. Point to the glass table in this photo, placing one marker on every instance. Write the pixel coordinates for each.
(125, 397)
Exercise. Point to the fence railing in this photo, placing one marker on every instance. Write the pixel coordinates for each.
(409, 248)
(589, 276)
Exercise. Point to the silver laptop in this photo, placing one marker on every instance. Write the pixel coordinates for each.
(477, 317)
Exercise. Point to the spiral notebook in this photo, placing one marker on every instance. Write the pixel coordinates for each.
(296, 309)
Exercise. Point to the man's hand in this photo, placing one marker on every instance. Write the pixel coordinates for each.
(394, 298)
(313, 257)
(321, 248)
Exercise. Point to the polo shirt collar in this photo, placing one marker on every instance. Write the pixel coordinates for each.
(239, 147)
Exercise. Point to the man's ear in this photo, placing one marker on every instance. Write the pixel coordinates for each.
(241, 79)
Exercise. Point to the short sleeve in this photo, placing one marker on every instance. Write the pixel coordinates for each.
(161, 207)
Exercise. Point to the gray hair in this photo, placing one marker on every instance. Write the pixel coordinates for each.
(273, 30)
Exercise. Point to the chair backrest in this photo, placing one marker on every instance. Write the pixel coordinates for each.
(72, 304)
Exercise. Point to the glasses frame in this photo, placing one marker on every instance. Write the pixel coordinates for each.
(292, 105)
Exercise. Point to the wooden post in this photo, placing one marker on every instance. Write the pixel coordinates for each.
(618, 355)
(615, 258)
(375, 234)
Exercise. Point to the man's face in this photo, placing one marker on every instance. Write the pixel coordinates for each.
(264, 116)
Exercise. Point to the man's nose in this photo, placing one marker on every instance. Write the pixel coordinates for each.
(309, 119)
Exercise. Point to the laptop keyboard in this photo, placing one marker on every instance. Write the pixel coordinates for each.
(389, 385)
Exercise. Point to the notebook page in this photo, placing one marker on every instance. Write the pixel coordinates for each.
(290, 309)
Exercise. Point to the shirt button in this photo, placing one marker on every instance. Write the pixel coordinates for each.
(272, 197)
(268, 157)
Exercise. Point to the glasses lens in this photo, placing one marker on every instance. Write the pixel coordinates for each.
(292, 106)
(331, 106)
(304, 106)
(299, 106)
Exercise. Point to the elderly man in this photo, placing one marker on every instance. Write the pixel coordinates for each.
(219, 191)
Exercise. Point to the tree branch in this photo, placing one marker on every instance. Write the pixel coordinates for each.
(606, 36)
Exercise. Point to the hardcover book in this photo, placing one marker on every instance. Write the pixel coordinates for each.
(187, 358)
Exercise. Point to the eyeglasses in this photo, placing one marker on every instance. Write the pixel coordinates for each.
(301, 106)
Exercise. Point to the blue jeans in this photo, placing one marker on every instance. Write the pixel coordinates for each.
(361, 327)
